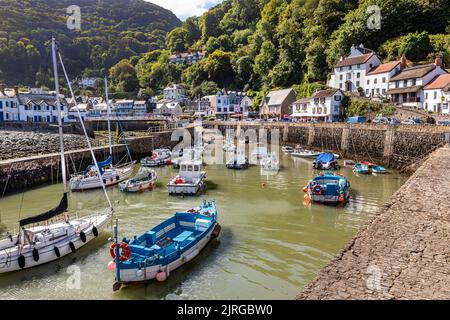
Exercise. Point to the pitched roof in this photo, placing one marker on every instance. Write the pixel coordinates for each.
(354, 60)
(277, 97)
(404, 90)
(414, 72)
(382, 68)
(440, 82)
(324, 93)
(305, 100)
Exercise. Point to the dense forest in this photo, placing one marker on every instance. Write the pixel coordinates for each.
(257, 45)
(111, 30)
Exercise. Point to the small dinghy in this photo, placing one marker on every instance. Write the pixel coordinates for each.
(304, 153)
(270, 163)
(238, 160)
(360, 168)
(166, 247)
(159, 157)
(143, 180)
(378, 170)
(287, 149)
(328, 188)
(326, 161)
(189, 181)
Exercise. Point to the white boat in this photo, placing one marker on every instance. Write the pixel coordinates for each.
(189, 181)
(260, 151)
(304, 153)
(238, 160)
(109, 177)
(159, 157)
(287, 149)
(143, 180)
(109, 174)
(270, 163)
(40, 244)
(229, 146)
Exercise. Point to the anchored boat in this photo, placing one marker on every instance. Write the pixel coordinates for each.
(238, 160)
(143, 180)
(40, 244)
(360, 168)
(164, 248)
(159, 157)
(287, 149)
(326, 161)
(378, 169)
(270, 163)
(304, 153)
(328, 188)
(189, 181)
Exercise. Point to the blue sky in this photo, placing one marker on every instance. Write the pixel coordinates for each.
(186, 8)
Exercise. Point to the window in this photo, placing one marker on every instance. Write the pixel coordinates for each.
(1, 104)
(367, 91)
(340, 69)
(358, 66)
(358, 75)
(435, 95)
(7, 105)
(384, 91)
(413, 82)
(337, 98)
(426, 95)
(350, 67)
(357, 83)
(375, 81)
(405, 83)
(370, 66)
(340, 85)
(397, 84)
(368, 81)
(341, 77)
(383, 80)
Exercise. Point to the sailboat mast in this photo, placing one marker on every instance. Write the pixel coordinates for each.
(109, 116)
(58, 105)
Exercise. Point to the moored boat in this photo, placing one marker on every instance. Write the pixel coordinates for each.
(159, 157)
(238, 160)
(326, 161)
(189, 181)
(287, 149)
(166, 247)
(270, 163)
(328, 188)
(360, 168)
(378, 170)
(300, 152)
(143, 180)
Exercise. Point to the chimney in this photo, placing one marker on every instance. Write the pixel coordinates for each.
(2, 88)
(438, 61)
(402, 62)
(341, 58)
(16, 91)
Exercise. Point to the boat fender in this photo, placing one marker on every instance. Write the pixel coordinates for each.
(57, 253)
(21, 261)
(83, 236)
(95, 231)
(72, 246)
(35, 255)
(161, 276)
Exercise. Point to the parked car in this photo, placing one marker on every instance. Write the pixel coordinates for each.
(356, 119)
(443, 123)
(381, 120)
(409, 121)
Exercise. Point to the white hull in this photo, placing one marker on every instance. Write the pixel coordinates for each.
(137, 187)
(149, 273)
(9, 255)
(304, 155)
(110, 177)
(186, 188)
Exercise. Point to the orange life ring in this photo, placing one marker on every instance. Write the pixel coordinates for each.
(125, 251)
(317, 190)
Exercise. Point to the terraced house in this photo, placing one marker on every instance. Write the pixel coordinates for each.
(437, 94)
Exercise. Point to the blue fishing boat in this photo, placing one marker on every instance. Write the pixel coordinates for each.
(164, 248)
(326, 161)
(378, 169)
(360, 168)
(328, 188)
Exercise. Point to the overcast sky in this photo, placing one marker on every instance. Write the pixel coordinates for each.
(186, 8)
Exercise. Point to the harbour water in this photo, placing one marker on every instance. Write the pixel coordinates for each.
(271, 245)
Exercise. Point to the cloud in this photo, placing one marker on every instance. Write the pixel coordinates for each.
(186, 8)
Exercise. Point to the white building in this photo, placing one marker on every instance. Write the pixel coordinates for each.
(350, 72)
(323, 106)
(437, 94)
(406, 88)
(41, 108)
(186, 57)
(175, 92)
(123, 108)
(86, 82)
(246, 105)
(140, 107)
(226, 103)
(377, 79)
(9, 105)
(168, 108)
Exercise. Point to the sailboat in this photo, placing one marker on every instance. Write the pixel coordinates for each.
(110, 174)
(38, 244)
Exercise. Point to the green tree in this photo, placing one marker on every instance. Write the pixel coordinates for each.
(123, 76)
(179, 40)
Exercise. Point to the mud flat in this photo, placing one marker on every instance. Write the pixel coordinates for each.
(404, 251)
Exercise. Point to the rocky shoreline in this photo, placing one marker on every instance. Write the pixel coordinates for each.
(19, 144)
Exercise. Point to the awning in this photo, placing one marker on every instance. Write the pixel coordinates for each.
(404, 90)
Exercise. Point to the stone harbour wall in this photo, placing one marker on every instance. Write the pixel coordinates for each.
(403, 252)
(394, 146)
